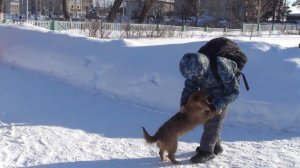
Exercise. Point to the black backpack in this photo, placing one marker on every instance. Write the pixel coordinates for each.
(224, 47)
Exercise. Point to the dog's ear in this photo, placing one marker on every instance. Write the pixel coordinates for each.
(182, 109)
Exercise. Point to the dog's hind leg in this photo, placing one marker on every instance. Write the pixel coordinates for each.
(161, 154)
(172, 151)
(172, 158)
(161, 150)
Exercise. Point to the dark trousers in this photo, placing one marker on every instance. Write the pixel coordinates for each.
(212, 129)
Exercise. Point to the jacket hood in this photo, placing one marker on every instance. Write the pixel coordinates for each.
(190, 66)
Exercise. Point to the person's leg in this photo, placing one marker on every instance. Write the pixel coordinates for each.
(212, 130)
(217, 150)
(209, 139)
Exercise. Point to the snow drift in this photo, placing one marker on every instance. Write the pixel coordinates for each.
(88, 95)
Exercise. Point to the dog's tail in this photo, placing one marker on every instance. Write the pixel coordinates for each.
(149, 138)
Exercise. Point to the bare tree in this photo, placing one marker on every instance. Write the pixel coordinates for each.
(184, 10)
(196, 9)
(1, 10)
(65, 5)
(265, 9)
(285, 10)
(170, 13)
(269, 10)
(146, 8)
(189, 8)
(236, 12)
(257, 8)
(114, 10)
(161, 10)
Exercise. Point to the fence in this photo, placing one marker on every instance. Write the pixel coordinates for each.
(272, 28)
(127, 30)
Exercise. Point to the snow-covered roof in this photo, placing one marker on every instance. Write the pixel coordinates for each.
(295, 10)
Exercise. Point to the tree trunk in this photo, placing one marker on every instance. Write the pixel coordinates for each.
(147, 6)
(279, 12)
(65, 5)
(259, 7)
(1, 10)
(284, 10)
(114, 10)
(274, 11)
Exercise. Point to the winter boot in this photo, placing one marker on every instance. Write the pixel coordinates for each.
(202, 156)
(217, 150)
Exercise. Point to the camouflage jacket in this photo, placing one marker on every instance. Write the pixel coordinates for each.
(221, 93)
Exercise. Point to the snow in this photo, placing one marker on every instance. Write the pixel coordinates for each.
(67, 100)
(295, 10)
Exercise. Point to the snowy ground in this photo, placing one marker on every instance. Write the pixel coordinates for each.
(72, 101)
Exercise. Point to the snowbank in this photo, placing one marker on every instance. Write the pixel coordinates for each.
(68, 98)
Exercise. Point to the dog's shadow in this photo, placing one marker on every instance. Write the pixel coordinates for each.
(145, 162)
(153, 162)
(184, 158)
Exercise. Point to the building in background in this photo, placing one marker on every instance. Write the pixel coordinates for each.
(294, 16)
(53, 8)
(12, 7)
(161, 8)
(219, 13)
(79, 8)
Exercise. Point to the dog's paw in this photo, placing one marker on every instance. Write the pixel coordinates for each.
(176, 162)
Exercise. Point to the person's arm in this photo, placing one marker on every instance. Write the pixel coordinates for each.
(189, 87)
(231, 88)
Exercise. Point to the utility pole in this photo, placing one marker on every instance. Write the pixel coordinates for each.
(36, 17)
(26, 9)
(123, 11)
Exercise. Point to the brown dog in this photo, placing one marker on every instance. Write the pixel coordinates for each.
(195, 112)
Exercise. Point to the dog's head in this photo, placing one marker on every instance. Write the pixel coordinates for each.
(198, 106)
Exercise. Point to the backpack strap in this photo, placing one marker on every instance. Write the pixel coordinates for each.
(214, 69)
(244, 79)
